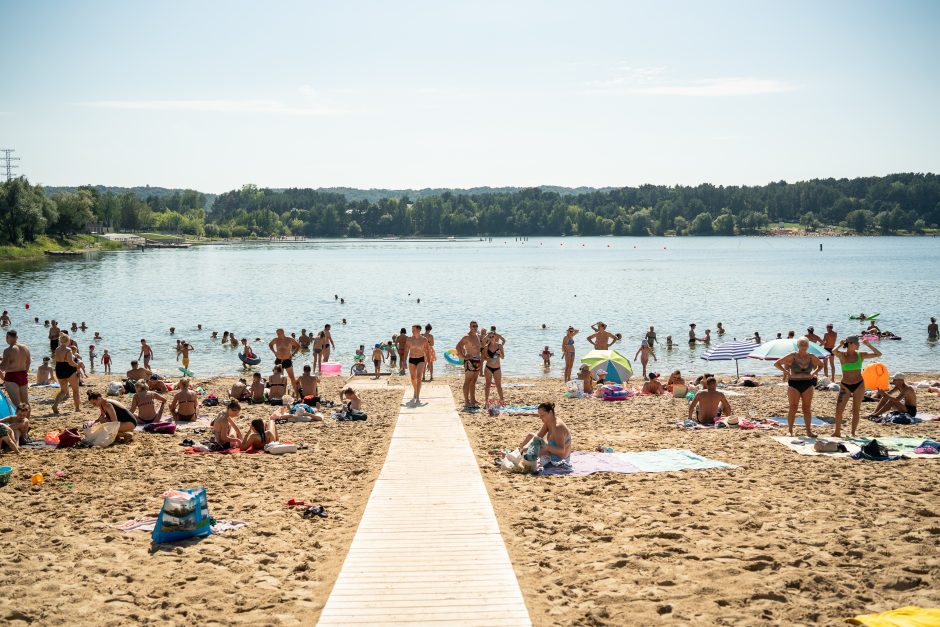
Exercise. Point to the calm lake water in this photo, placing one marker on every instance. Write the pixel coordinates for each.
(768, 285)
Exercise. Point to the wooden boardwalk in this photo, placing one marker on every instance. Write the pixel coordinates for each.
(428, 548)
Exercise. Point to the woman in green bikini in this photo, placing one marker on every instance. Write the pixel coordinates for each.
(851, 386)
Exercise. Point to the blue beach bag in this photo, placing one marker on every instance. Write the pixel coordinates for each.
(185, 514)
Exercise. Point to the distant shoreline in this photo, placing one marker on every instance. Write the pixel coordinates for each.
(79, 245)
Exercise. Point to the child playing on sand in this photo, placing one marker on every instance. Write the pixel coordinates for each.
(106, 362)
(547, 357)
(8, 439)
(224, 430)
(378, 356)
(18, 425)
(257, 388)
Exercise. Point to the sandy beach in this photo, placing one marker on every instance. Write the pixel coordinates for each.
(783, 538)
(62, 564)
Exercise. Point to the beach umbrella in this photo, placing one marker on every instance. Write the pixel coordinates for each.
(739, 349)
(616, 365)
(775, 349)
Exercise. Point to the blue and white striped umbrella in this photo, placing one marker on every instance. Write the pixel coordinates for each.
(775, 349)
(739, 349)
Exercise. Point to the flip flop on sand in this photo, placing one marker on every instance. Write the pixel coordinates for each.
(315, 510)
(296, 502)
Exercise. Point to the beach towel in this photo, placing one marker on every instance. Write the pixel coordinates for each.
(895, 444)
(518, 410)
(910, 616)
(743, 423)
(232, 451)
(799, 422)
(200, 423)
(147, 523)
(664, 460)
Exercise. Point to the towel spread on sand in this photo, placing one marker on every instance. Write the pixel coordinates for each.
(896, 444)
(910, 616)
(664, 460)
(743, 423)
(200, 423)
(518, 410)
(232, 451)
(147, 523)
(799, 422)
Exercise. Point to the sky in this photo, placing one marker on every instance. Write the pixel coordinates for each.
(212, 95)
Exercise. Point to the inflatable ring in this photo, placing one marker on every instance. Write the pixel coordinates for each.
(452, 358)
(254, 361)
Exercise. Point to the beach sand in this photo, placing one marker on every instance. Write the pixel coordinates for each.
(782, 539)
(61, 563)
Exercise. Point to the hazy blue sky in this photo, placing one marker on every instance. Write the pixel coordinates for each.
(212, 95)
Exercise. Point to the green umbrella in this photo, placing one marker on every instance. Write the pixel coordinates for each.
(616, 366)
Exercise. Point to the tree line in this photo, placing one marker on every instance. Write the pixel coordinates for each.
(888, 204)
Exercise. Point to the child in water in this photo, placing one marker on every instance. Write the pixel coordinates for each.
(106, 362)
(546, 357)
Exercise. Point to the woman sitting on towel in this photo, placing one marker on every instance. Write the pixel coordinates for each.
(556, 436)
(851, 386)
(112, 411)
(261, 433)
(799, 371)
(143, 405)
(277, 386)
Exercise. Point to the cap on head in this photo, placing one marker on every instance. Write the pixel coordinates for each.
(898, 377)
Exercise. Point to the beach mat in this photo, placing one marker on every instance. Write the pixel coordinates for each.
(799, 422)
(903, 445)
(664, 460)
(147, 523)
(231, 451)
(200, 423)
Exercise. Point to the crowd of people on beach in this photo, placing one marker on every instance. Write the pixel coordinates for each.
(479, 351)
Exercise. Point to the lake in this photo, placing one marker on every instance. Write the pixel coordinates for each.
(750, 284)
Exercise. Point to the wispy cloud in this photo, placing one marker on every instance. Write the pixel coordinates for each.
(655, 81)
(311, 103)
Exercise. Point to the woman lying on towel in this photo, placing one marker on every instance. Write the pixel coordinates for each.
(556, 448)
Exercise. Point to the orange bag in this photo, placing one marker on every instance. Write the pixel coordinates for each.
(875, 376)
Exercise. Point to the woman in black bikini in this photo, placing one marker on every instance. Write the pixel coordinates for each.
(112, 411)
(417, 360)
(493, 351)
(799, 371)
(66, 371)
(277, 386)
(852, 386)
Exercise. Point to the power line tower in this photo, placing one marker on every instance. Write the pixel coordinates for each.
(6, 161)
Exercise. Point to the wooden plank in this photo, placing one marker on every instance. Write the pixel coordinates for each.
(428, 548)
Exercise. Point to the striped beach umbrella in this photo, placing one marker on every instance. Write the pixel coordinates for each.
(775, 349)
(616, 366)
(739, 349)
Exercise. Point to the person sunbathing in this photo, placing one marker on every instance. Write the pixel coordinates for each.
(653, 386)
(155, 384)
(260, 433)
(905, 402)
(143, 404)
(674, 379)
(709, 404)
(277, 386)
(555, 434)
(184, 404)
(224, 430)
(14, 430)
(112, 411)
(587, 378)
(257, 388)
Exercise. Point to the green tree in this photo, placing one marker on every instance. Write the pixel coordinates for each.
(353, 229)
(859, 220)
(723, 224)
(808, 221)
(682, 225)
(702, 224)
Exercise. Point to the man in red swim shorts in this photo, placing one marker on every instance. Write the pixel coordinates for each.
(14, 369)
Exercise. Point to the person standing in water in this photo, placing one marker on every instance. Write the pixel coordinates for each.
(644, 353)
(601, 339)
(418, 347)
(932, 332)
(852, 387)
(14, 369)
(651, 337)
(567, 350)
(146, 352)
